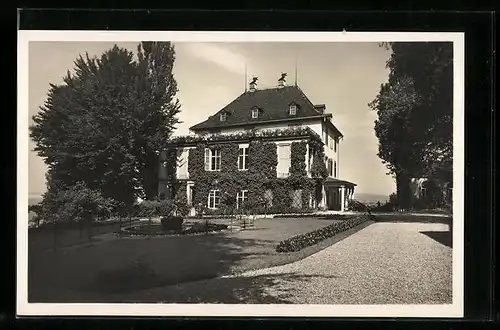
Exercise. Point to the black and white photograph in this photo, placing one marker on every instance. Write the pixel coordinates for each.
(240, 173)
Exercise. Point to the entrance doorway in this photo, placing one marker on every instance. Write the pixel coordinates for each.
(333, 199)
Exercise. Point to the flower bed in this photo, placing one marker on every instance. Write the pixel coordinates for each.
(299, 242)
(158, 230)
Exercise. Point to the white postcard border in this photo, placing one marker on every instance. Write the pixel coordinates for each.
(24, 308)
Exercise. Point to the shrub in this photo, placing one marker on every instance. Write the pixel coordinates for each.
(299, 242)
(172, 223)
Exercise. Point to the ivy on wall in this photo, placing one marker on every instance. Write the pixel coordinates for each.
(259, 178)
(298, 159)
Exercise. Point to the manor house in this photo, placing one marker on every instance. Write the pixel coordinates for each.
(271, 145)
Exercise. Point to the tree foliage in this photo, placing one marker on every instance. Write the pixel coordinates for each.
(108, 120)
(415, 113)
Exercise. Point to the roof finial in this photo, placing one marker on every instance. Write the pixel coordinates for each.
(253, 84)
(281, 81)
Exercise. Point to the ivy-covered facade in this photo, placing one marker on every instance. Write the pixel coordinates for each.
(254, 165)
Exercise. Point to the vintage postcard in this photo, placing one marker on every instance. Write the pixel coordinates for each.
(298, 174)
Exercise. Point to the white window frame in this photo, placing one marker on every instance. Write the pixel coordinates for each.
(212, 155)
(288, 158)
(292, 111)
(255, 113)
(223, 116)
(243, 166)
(243, 195)
(212, 194)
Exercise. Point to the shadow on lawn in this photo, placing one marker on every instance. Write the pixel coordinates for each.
(442, 237)
(128, 265)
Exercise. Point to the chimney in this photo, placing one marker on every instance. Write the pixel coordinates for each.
(253, 84)
(320, 108)
(281, 81)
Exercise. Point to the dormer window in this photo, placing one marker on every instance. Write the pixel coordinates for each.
(293, 110)
(255, 113)
(223, 116)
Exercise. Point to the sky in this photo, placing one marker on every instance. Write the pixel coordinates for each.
(343, 76)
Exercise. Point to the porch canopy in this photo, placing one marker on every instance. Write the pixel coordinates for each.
(337, 193)
(336, 183)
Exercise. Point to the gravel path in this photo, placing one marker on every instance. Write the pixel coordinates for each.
(385, 263)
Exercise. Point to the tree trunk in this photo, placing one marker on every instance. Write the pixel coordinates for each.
(149, 227)
(403, 191)
(89, 225)
(55, 235)
(80, 227)
(120, 226)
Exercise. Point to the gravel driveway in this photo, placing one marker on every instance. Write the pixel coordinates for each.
(385, 263)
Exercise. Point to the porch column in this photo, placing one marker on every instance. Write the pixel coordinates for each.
(342, 199)
(323, 196)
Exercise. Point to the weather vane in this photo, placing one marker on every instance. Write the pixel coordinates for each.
(283, 75)
(254, 80)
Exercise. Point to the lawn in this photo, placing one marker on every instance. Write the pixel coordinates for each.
(95, 272)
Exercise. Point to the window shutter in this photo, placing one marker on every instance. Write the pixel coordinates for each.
(207, 159)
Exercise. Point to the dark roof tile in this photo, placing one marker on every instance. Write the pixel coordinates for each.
(274, 105)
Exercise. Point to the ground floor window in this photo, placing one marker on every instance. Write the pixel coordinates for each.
(241, 198)
(214, 199)
(268, 196)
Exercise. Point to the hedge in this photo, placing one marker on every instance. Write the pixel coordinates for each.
(299, 242)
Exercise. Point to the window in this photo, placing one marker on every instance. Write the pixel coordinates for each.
(212, 159)
(293, 110)
(255, 113)
(223, 116)
(268, 196)
(326, 137)
(330, 167)
(330, 142)
(335, 145)
(283, 167)
(243, 159)
(334, 169)
(241, 198)
(214, 199)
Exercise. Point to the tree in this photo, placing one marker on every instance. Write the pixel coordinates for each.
(399, 146)
(83, 129)
(157, 110)
(415, 109)
(106, 124)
